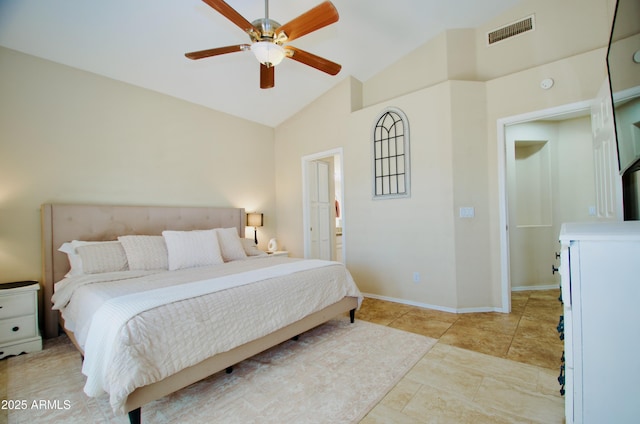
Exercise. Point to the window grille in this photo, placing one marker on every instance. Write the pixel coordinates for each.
(391, 155)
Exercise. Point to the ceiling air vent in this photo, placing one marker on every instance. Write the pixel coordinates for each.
(511, 30)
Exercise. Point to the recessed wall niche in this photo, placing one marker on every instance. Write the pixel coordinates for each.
(533, 183)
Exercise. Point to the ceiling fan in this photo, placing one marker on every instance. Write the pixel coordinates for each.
(269, 38)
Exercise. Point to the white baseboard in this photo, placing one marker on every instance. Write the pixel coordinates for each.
(529, 288)
(434, 307)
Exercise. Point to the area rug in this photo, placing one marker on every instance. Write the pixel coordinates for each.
(335, 373)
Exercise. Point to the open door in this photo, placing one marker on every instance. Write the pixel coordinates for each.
(320, 217)
(323, 206)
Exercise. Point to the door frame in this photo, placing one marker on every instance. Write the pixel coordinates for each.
(559, 112)
(339, 164)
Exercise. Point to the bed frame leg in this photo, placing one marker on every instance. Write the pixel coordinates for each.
(135, 416)
(352, 315)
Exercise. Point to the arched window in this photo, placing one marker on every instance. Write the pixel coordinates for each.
(391, 176)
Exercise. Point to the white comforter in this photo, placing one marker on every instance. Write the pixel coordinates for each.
(140, 342)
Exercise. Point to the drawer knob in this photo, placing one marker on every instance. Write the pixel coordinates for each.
(553, 269)
(16, 328)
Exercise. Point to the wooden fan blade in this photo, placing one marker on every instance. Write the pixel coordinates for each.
(217, 51)
(314, 61)
(267, 76)
(320, 16)
(230, 13)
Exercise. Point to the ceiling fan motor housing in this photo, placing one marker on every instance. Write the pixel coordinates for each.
(267, 30)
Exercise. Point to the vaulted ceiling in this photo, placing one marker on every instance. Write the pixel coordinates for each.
(143, 42)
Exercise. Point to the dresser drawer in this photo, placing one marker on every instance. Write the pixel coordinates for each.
(17, 328)
(16, 305)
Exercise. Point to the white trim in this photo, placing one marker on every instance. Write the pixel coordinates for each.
(534, 288)
(305, 207)
(554, 112)
(428, 306)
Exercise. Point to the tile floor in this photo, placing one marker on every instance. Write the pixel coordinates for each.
(486, 367)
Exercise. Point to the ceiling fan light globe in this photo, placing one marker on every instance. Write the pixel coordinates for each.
(268, 53)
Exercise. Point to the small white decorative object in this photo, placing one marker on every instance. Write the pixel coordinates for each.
(273, 245)
(546, 83)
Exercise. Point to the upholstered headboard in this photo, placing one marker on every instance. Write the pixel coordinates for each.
(66, 222)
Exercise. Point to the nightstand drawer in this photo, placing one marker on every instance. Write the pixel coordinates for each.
(16, 305)
(17, 328)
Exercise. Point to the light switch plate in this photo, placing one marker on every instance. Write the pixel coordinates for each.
(467, 212)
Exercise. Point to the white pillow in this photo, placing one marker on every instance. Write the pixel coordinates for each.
(230, 244)
(145, 252)
(250, 247)
(189, 249)
(75, 261)
(102, 257)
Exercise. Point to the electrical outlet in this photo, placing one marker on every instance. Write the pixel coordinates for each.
(416, 277)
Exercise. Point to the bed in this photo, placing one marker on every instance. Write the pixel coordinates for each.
(169, 325)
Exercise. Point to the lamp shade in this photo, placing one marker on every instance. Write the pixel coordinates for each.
(268, 53)
(254, 219)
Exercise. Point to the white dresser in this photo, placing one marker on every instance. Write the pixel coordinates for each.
(19, 330)
(600, 273)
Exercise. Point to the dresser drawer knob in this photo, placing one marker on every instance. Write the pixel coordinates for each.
(16, 328)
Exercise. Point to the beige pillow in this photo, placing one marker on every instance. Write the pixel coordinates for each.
(190, 249)
(145, 252)
(250, 248)
(103, 257)
(230, 244)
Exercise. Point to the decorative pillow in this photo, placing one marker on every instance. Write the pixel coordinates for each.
(145, 252)
(102, 257)
(75, 262)
(189, 249)
(250, 248)
(230, 244)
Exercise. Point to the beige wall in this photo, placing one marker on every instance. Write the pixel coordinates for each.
(320, 127)
(454, 144)
(72, 136)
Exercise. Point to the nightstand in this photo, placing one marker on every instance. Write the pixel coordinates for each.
(278, 253)
(19, 330)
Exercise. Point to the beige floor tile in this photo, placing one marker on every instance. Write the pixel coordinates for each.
(465, 377)
(416, 324)
(509, 371)
(491, 321)
(382, 414)
(463, 381)
(401, 394)
(548, 382)
(516, 400)
(536, 342)
(432, 405)
(380, 311)
(489, 342)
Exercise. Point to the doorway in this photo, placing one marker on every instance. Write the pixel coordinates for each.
(323, 205)
(529, 223)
